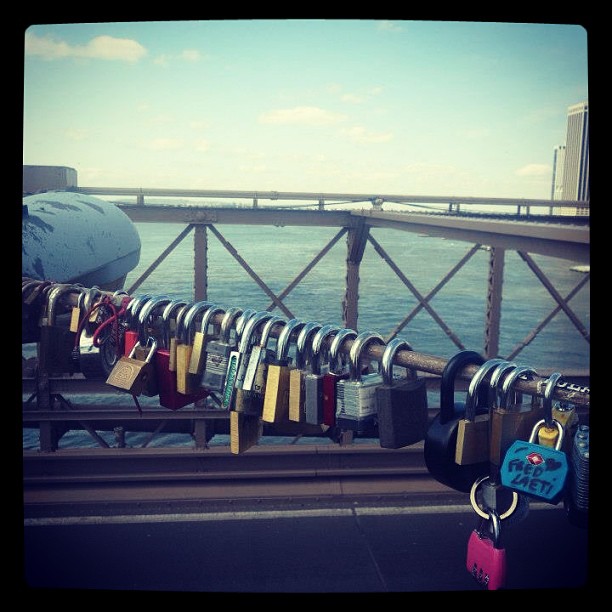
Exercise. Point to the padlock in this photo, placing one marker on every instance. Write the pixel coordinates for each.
(130, 336)
(245, 431)
(236, 364)
(171, 318)
(576, 500)
(441, 436)
(250, 393)
(401, 403)
(486, 558)
(303, 366)
(132, 375)
(185, 382)
(356, 395)
(276, 395)
(472, 444)
(510, 418)
(57, 343)
(32, 294)
(100, 347)
(260, 355)
(536, 470)
(218, 351)
(169, 397)
(314, 412)
(338, 369)
(547, 435)
(567, 415)
(150, 326)
(201, 338)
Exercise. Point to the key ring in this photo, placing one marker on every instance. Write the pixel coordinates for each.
(481, 512)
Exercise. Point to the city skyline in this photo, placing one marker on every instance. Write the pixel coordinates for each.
(439, 108)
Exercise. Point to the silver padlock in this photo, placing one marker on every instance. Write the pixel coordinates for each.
(356, 395)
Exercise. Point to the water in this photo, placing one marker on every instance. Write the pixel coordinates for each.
(278, 254)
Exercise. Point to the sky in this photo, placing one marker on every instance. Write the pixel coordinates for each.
(405, 107)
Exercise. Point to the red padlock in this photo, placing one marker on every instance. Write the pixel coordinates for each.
(169, 397)
(338, 370)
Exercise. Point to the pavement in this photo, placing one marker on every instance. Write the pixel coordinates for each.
(353, 549)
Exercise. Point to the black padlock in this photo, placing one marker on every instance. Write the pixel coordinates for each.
(57, 341)
(441, 437)
(401, 403)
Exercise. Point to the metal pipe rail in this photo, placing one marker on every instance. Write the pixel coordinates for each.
(564, 391)
(375, 198)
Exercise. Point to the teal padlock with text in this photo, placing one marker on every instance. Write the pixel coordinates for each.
(536, 470)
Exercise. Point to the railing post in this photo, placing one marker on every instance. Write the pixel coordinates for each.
(356, 240)
(494, 300)
(200, 263)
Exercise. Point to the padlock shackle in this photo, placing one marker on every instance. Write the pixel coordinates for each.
(266, 330)
(303, 354)
(185, 335)
(89, 297)
(472, 398)
(388, 357)
(230, 316)
(542, 423)
(450, 372)
(146, 312)
(249, 328)
(152, 342)
(169, 313)
(507, 387)
(284, 339)
(496, 381)
(208, 316)
(343, 334)
(54, 296)
(549, 390)
(362, 341)
(132, 309)
(316, 346)
(242, 319)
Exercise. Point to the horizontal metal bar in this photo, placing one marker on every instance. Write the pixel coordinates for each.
(317, 196)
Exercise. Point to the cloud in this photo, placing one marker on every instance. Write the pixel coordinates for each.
(301, 115)
(534, 170)
(187, 55)
(100, 47)
(361, 135)
(165, 144)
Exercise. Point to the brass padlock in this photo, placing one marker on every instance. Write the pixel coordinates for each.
(473, 429)
(197, 359)
(187, 383)
(250, 394)
(511, 420)
(131, 374)
(245, 431)
(276, 398)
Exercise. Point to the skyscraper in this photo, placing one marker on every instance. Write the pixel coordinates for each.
(576, 165)
(557, 178)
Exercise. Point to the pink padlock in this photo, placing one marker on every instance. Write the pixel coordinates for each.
(486, 559)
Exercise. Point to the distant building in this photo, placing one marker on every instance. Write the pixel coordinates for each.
(557, 178)
(576, 164)
(570, 179)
